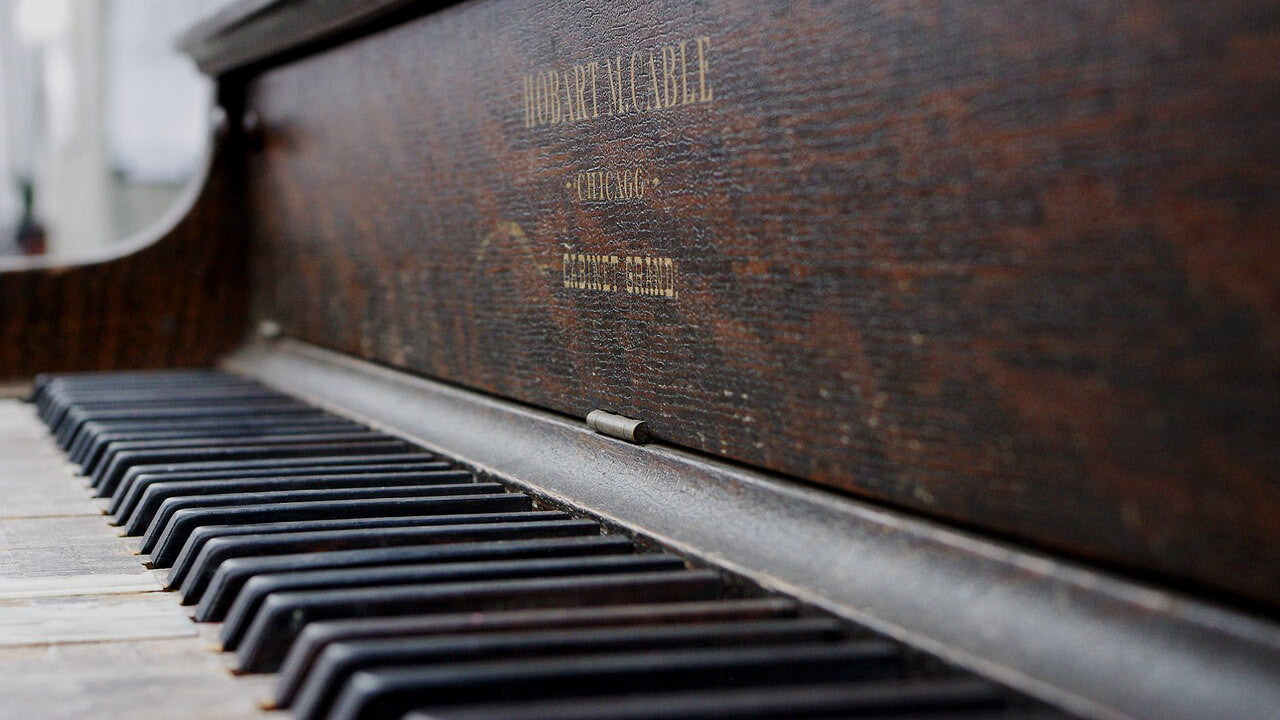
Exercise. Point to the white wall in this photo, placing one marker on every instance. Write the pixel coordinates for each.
(109, 118)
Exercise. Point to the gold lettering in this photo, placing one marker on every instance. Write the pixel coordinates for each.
(554, 92)
(609, 184)
(569, 104)
(670, 85)
(632, 274)
(527, 87)
(653, 75)
(541, 98)
(704, 88)
(595, 108)
(686, 97)
(580, 80)
(617, 105)
(572, 94)
(634, 105)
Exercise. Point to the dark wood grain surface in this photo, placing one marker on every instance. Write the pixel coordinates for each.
(1011, 264)
(178, 302)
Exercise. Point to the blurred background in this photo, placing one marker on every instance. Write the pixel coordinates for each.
(102, 121)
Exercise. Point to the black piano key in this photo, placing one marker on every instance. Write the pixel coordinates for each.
(375, 444)
(95, 381)
(105, 446)
(140, 396)
(193, 585)
(46, 383)
(189, 571)
(283, 615)
(319, 635)
(148, 505)
(255, 592)
(99, 380)
(270, 506)
(125, 504)
(91, 452)
(65, 422)
(198, 440)
(53, 402)
(148, 392)
(171, 528)
(67, 429)
(336, 664)
(221, 549)
(120, 457)
(82, 444)
(136, 480)
(225, 584)
(905, 699)
(391, 692)
(191, 568)
(284, 408)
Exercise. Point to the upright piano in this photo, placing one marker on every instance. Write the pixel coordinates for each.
(579, 359)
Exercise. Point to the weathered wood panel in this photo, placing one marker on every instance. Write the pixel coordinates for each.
(1013, 264)
(178, 302)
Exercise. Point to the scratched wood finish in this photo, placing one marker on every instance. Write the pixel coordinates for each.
(1010, 264)
(178, 302)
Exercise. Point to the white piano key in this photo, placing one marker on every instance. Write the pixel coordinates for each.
(12, 588)
(84, 630)
(139, 680)
(92, 618)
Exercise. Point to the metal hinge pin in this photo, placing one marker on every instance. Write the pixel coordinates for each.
(623, 428)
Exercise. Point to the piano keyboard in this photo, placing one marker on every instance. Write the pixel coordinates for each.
(376, 579)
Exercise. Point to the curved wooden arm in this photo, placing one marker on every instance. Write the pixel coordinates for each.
(178, 301)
